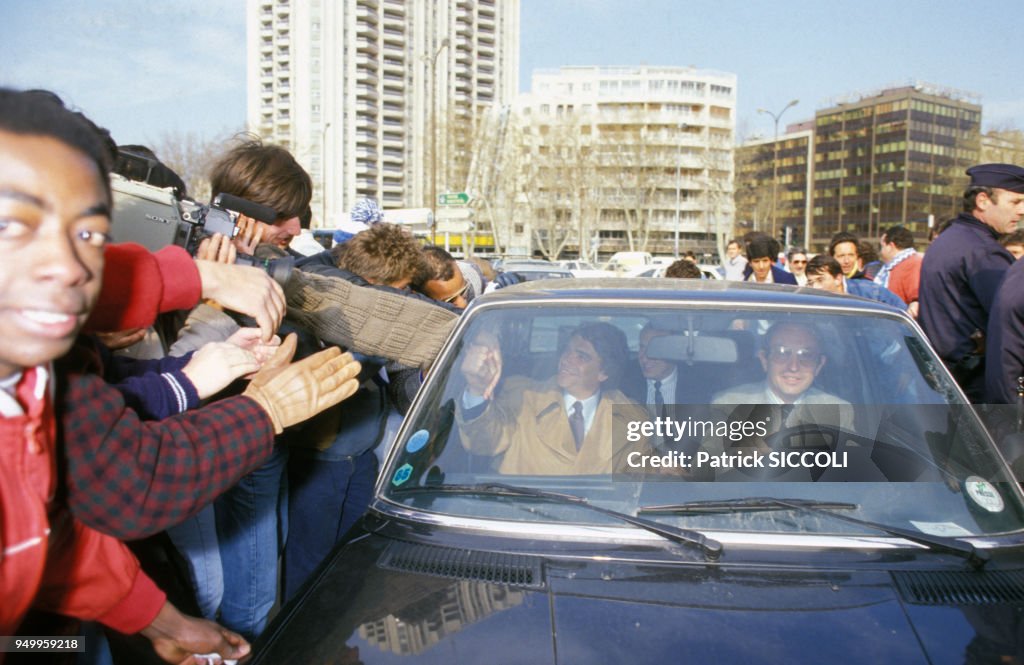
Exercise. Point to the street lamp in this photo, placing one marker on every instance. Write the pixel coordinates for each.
(775, 157)
(433, 139)
(679, 159)
(323, 173)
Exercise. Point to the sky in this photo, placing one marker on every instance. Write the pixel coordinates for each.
(145, 69)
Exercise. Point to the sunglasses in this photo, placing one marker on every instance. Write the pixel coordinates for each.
(455, 296)
(798, 262)
(783, 355)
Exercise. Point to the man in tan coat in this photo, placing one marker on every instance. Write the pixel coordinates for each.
(562, 426)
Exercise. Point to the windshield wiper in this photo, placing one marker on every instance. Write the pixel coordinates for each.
(745, 505)
(711, 548)
(975, 558)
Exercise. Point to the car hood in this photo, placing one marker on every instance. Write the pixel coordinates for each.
(435, 605)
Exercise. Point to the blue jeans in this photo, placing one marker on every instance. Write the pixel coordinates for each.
(325, 498)
(251, 527)
(196, 540)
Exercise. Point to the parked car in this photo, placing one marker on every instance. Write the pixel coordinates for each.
(707, 271)
(623, 262)
(584, 269)
(528, 271)
(909, 551)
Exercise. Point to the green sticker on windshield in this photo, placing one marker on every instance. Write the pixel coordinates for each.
(984, 494)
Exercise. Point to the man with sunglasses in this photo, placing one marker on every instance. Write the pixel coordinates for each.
(796, 261)
(447, 280)
(792, 359)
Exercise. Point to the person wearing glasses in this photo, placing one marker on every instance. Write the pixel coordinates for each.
(796, 261)
(793, 357)
(824, 272)
(447, 280)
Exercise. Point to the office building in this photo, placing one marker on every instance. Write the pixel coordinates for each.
(897, 156)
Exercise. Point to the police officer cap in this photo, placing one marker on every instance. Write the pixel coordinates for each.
(1003, 176)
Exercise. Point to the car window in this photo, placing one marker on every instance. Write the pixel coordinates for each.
(854, 406)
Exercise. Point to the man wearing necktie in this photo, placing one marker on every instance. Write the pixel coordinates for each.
(561, 426)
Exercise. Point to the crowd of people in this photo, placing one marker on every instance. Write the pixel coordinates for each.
(194, 406)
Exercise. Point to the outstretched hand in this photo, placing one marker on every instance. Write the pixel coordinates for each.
(178, 638)
(247, 290)
(293, 393)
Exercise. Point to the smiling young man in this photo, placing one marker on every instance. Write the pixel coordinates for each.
(54, 222)
(962, 270)
(762, 251)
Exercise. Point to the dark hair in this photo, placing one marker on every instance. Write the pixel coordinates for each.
(899, 236)
(971, 196)
(266, 174)
(824, 263)
(762, 246)
(840, 238)
(382, 254)
(867, 252)
(42, 113)
(794, 251)
(683, 269)
(734, 241)
(610, 344)
(439, 265)
(1015, 238)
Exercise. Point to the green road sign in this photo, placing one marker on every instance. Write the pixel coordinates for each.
(453, 199)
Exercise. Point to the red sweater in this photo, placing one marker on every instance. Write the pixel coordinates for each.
(138, 285)
(50, 560)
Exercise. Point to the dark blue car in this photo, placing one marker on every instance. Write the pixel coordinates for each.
(815, 488)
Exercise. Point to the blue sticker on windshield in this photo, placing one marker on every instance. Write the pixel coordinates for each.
(417, 441)
(403, 474)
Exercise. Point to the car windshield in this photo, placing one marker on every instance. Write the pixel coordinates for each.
(656, 409)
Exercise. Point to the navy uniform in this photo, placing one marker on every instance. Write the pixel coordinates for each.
(960, 275)
(1004, 363)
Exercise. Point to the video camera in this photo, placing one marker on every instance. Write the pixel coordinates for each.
(156, 217)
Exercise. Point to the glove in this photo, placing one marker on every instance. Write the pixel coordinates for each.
(291, 393)
(506, 279)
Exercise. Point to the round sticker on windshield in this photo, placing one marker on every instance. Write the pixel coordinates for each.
(417, 441)
(984, 494)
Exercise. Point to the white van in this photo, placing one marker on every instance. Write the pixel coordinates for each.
(623, 262)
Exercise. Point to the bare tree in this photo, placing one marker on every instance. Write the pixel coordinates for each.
(191, 155)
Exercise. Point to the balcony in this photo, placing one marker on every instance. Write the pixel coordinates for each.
(367, 92)
(367, 30)
(367, 12)
(365, 64)
(366, 45)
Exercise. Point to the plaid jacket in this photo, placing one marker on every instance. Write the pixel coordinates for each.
(130, 478)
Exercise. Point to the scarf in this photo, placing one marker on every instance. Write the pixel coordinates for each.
(882, 278)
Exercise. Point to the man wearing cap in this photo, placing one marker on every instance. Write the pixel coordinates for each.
(963, 268)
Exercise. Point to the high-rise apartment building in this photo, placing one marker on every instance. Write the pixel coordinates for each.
(626, 158)
(379, 98)
(893, 157)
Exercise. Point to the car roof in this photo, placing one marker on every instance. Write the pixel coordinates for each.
(694, 290)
